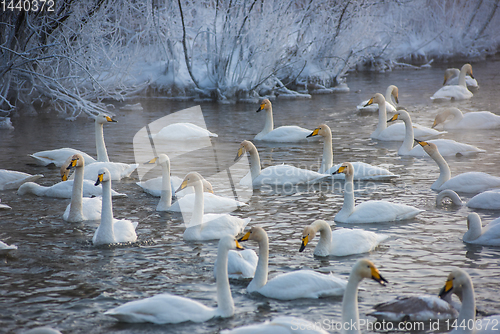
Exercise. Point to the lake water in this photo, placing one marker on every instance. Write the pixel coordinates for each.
(58, 278)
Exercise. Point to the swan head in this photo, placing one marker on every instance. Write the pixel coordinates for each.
(467, 68)
(323, 130)
(161, 159)
(429, 148)
(450, 73)
(103, 176)
(443, 115)
(256, 233)
(102, 119)
(364, 268)
(310, 231)
(377, 98)
(265, 105)
(394, 92)
(73, 161)
(400, 114)
(346, 168)
(245, 146)
(457, 279)
(190, 179)
(228, 242)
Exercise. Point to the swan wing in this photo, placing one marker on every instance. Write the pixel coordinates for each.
(241, 264)
(382, 211)
(287, 134)
(124, 230)
(91, 209)
(354, 241)
(364, 171)
(455, 92)
(59, 156)
(282, 175)
(118, 170)
(486, 200)
(471, 182)
(10, 179)
(216, 225)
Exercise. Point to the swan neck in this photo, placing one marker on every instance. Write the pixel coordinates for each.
(254, 163)
(461, 77)
(444, 170)
(269, 126)
(348, 206)
(260, 277)
(102, 153)
(166, 188)
(407, 145)
(225, 304)
(325, 236)
(327, 160)
(350, 313)
(106, 226)
(382, 118)
(76, 207)
(468, 309)
(198, 210)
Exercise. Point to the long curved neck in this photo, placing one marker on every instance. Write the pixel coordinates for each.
(76, 208)
(225, 303)
(348, 206)
(388, 95)
(448, 193)
(254, 163)
(327, 160)
(260, 277)
(444, 170)
(409, 138)
(350, 313)
(166, 188)
(325, 236)
(106, 227)
(269, 126)
(102, 153)
(468, 309)
(475, 230)
(457, 117)
(197, 218)
(461, 77)
(382, 118)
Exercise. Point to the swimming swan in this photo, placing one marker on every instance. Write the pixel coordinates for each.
(488, 200)
(58, 157)
(476, 120)
(81, 208)
(389, 105)
(293, 285)
(240, 264)
(350, 315)
(11, 179)
(478, 235)
(370, 211)
(362, 171)
(111, 230)
(171, 309)
(396, 132)
(447, 147)
(456, 92)
(63, 189)
(451, 76)
(470, 182)
(458, 278)
(4, 206)
(209, 226)
(4, 248)
(183, 132)
(279, 325)
(274, 175)
(341, 242)
(283, 134)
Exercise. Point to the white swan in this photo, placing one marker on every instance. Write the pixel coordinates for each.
(240, 264)
(81, 208)
(183, 132)
(362, 171)
(111, 230)
(350, 315)
(117, 170)
(42, 330)
(280, 325)
(11, 179)
(4, 206)
(389, 105)
(58, 157)
(451, 76)
(292, 285)
(486, 236)
(171, 309)
(4, 248)
(283, 134)
(396, 132)
(477, 120)
(456, 92)
(370, 211)
(447, 147)
(341, 242)
(488, 200)
(208, 226)
(470, 182)
(466, 321)
(274, 175)
(62, 189)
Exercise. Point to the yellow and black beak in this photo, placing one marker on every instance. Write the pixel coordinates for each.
(245, 237)
(314, 133)
(369, 102)
(305, 241)
(393, 118)
(445, 79)
(422, 143)
(396, 99)
(434, 124)
(238, 246)
(240, 152)
(109, 119)
(377, 277)
(262, 106)
(152, 161)
(99, 180)
(72, 164)
(340, 170)
(470, 74)
(446, 288)
(182, 186)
